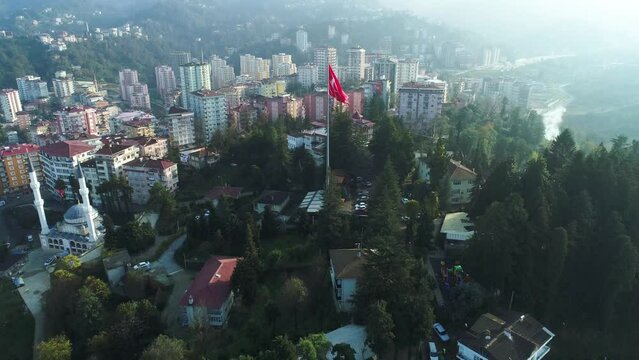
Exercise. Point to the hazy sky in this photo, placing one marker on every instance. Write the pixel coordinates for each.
(520, 17)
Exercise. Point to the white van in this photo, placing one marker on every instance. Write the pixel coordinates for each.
(432, 351)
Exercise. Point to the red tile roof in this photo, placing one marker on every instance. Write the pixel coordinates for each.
(228, 191)
(151, 164)
(18, 150)
(212, 285)
(66, 148)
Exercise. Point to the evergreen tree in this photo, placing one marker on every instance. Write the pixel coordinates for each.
(384, 203)
(245, 276)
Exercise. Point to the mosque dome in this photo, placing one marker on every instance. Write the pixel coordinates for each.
(75, 214)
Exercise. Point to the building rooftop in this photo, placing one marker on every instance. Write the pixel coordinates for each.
(273, 197)
(227, 191)
(457, 226)
(511, 336)
(66, 148)
(459, 172)
(115, 145)
(18, 149)
(353, 335)
(313, 201)
(206, 93)
(348, 263)
(212, 285)
(178, 110)
(150, 164)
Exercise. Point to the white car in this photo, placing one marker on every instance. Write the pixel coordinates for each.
(144, 265)
(3, 203)
(441, 332)
(432, 351)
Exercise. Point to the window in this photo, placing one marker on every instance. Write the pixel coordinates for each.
(456, 182)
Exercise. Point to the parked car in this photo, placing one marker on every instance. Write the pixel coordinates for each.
(432, 351)
(441, 332)
(3, 203)
(18, 281)
(50, 261)
(144, 265)
(29, 238)
(404, 201)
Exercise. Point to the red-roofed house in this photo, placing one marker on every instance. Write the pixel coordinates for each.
(209, 298)
(273, 199)
(142, 174)
(218, 192)
(60, 160)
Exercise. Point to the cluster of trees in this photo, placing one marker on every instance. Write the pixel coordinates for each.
(311, 347)
(89, 322)
(560, 239)
(133, 236)
(115, 195)
(162, 201)
(481, 136)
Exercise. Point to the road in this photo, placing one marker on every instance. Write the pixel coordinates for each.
(167, 261)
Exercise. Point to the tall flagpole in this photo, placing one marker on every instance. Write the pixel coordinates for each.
(328, 124)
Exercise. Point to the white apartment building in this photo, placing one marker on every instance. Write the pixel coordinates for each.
(194, 76)
(32, 88)
(346, 267)
(308, 75)
(77, 120)
(221, 73)
(139, 96)
(419, 104)
(127, 77)
(165, 79)
(301, 40)
(142, 174)
(283, 65)
(211, 110)
(60, 161)
(111, 158)
(181, 127)
(10, 104)
(324, 56)
(356, 63)
(407, 71)
(63, 85)
(255, 67)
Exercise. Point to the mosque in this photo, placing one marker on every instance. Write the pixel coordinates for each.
(76, 233)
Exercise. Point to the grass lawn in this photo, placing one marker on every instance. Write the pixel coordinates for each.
(16, 324)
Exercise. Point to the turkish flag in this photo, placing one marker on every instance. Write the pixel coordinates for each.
(334, 87)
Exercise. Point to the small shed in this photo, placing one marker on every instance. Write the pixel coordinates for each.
(115, 266)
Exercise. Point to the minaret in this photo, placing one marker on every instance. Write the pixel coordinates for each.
(37, 198)
(84, 192)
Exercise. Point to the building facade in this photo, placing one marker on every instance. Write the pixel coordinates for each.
(32, 88)
(128, 77)
(356, 63)
(301, 40)
(139, 96)
(386, 69)
(194, 76)
(14, 169)
(77, 120)
(308, 75)
(346, 267)
(284, 105)
(255, 67)
(283, 65)
(407, 71)
(10, 104)
(63, 85)
(210, 109)
(165, 79)
(419, 104)
(323, 57)
(142, 174)
(181, 127)
(60, 161)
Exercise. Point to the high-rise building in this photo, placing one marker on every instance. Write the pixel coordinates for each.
(283, 65)
(14, 175)
(194, 76)
(407, 71)
(139, 96)
(165, 79)
(419, 104)
(128, 77)
(449, 54)
(32, 88)
(221, 73)
(63, 85)
(181, 127)
(301, 40)
(324, 56)
(331, 31)
(386, 69)
(491, 56)
(356, 63)
(10, 104)
(308, 75)
(211, 111)
(61, 159)
(178, 58)
(77, 121)
(255, 67)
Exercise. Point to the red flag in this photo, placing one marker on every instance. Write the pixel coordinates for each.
(334, 87)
